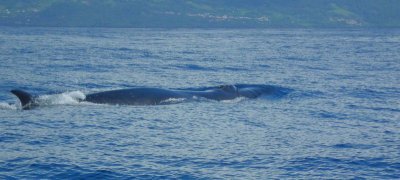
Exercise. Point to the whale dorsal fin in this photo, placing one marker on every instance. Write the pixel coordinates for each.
(27, 101)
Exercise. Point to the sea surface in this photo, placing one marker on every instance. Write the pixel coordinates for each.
(337, 115)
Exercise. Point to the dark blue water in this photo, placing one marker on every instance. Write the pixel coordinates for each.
(339, 115)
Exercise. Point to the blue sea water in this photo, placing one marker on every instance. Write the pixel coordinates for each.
(338, 118)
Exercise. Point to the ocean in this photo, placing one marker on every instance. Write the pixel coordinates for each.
(336, 116)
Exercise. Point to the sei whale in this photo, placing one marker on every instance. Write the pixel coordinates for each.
(157, 96)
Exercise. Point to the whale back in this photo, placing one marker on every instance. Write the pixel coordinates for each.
(134, 96)
(254, 91)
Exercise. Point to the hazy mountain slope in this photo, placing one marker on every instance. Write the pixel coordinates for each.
(201, 13)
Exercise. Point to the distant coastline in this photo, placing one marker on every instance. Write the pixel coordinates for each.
(202, 13)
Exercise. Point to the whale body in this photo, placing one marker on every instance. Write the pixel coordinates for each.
(157, 96)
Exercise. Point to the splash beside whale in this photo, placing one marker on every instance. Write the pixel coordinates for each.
(157, 96)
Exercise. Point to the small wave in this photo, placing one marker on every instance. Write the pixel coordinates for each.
(353, 146)
(6, 106)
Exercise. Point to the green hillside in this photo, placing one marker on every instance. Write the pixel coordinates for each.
(201, 13)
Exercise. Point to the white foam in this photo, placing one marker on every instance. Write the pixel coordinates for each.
(6, 106)
(172, 100)
(67, 98)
